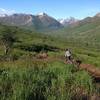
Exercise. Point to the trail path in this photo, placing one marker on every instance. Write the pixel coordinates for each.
(93, 70)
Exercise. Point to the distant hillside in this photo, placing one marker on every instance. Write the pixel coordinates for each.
(40, 22)
(27, 37)
(86, 31)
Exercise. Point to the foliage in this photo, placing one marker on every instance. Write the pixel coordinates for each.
(37, 47)
(27, 79)
(7, 39)
(42, 81)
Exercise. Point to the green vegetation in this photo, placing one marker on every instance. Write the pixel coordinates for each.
(7, 39)
(86, 31)
(24, 77)
(28, 80)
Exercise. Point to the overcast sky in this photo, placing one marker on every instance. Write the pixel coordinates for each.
(56, 8)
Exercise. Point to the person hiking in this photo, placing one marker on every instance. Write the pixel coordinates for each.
(68, 55)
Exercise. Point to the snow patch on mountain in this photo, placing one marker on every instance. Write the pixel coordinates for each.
(68, 21)
(41, 14)
(4, 12)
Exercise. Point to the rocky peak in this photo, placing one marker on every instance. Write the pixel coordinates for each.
(68, 21)
(97, 15)
(3, 15)
(41, 14)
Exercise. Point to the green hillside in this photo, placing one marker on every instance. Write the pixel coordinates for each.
(86, 31)
(25, 77)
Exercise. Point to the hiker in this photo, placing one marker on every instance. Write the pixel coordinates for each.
(68, 55)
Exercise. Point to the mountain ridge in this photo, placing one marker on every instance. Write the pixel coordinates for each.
(38, 22)
(68, 21)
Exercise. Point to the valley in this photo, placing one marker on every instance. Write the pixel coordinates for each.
(26, 75)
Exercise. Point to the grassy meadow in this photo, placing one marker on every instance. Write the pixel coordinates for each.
(23, 77)
(31, 80)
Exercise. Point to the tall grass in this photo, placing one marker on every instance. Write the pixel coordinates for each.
(42, 81)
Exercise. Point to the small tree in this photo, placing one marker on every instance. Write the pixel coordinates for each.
(7, 39)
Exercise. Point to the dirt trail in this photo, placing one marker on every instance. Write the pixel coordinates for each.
(93, 70)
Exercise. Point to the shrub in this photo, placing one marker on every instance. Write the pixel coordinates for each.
(38, 47)
(41, 81)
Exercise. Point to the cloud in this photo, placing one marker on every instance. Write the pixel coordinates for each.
(4, 11)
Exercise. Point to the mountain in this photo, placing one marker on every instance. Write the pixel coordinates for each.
(3, 15)
(97, 15)
(47, 21)
(86, 31)
(16, 19)
(40, 21)
(68, 21)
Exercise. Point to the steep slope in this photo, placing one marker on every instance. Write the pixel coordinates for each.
(39, 22)
(86, 31)
(16, 19)
(48, 22)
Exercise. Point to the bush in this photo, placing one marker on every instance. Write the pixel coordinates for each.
(41, 81)
(37, 47)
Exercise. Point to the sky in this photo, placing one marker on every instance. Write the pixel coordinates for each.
(55, 8)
